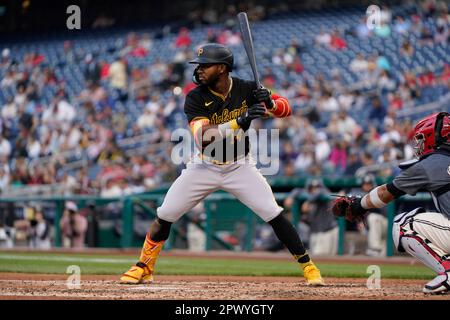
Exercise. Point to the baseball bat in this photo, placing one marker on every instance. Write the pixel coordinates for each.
(248, 45)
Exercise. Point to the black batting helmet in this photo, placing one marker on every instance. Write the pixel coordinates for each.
(214, 53)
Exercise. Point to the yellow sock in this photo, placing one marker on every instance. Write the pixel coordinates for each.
(150, 252)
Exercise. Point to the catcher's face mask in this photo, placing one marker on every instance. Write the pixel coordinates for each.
(418, 144)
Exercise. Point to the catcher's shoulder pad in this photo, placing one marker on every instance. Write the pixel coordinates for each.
(406, 164)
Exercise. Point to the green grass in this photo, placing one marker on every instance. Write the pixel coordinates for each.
(107, 264)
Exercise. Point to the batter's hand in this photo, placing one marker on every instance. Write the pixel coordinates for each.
(263, 95)
(253, 112)
(349, 207)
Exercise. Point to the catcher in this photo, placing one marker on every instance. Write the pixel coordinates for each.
(424, 235)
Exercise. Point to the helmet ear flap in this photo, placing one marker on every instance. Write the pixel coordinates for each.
(195, 78)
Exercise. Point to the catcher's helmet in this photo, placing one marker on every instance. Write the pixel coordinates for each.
(430, 133)
(214, 53)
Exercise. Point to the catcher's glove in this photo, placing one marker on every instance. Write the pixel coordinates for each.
(349, 207)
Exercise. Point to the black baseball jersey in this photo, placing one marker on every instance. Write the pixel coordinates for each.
(202, 102)
(431, 174)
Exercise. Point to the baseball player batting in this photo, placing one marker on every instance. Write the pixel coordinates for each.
(424, 235)
(219, 111)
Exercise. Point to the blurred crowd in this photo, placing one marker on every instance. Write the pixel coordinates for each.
(81, 141)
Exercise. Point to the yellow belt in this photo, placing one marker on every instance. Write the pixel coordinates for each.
(217, 162)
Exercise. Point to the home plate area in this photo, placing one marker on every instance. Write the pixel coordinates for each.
(36, 286)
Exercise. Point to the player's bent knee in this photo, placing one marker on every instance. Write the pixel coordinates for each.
(401, 226)
(397, 234)
(268, 214)
(168, 213)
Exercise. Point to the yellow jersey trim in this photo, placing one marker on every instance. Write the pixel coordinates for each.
(223, 97)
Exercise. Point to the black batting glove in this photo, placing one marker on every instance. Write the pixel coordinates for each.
(253, 112)
(263, 95)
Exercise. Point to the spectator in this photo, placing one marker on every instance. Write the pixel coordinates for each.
(377, 111)
(9, 80)
(442, 35)
(73, 227)
(183, 39)
(5, 147)
(359, 65)
(69, 184)
(383, 31)
(328, 103)
(346, 100)
(92, 70)
(288, 169)
(118, 75)
(426, 37)
(6, 236)
(59, 113)
(9, 110)
(337, 42)
(39, 232)
(296, 66)
(338, 157)
(323, 38)
(353, 163)
(385, 83)
(5, 59)
(383, 63)
(104, 69)
(407, 50)
(4, 179)
(322, 147)
(33, 147)
(112, 189)
(377, 224)
(304, 160)
(347, 126)
(287, 152)
(323, 225)
(390, 134)
(385, 14)
(395, 102)
(196, 236)
(401, 26)
(361, 30)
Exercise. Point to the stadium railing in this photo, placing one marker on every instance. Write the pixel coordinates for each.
(224, 214)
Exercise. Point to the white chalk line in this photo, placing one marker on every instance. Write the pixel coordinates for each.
(66, 259)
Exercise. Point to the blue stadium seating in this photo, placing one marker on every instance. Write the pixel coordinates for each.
(269, 35)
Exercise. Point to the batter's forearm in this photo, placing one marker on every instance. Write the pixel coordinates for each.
(205, 133)
(377, 198)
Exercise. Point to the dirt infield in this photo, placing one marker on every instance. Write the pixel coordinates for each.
(35, 286)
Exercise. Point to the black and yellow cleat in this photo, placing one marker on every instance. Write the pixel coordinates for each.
(138, 274)
(312, 275)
